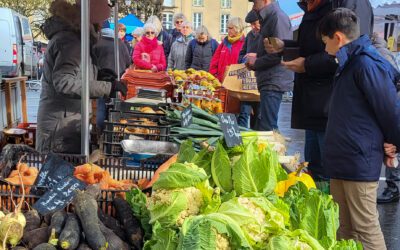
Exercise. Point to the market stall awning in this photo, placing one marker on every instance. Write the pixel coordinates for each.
(131, 22)
(292, 9)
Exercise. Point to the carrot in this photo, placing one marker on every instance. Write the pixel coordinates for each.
(161, 169)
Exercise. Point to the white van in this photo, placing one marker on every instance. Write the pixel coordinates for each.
(17, 53)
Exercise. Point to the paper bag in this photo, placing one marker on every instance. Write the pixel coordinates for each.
(241, 83)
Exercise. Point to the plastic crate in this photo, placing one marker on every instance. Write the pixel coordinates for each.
(11, 194)
(115, 132)
(135, 107)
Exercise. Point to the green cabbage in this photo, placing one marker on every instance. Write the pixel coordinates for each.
(211, 232)
(315, 212)
(296, 240)
(162, 239)
(221, 169)
(348, 245)
(255, 172)
(180, 175)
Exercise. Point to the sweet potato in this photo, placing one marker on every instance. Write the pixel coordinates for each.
(35, 237)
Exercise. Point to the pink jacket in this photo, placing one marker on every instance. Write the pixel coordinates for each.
(157, 57)
(225, 55)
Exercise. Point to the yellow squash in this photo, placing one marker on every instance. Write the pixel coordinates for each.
(293, 178)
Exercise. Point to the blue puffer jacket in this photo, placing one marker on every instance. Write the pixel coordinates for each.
(364, 113)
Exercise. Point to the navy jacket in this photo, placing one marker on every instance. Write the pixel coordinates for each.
(270, 74)
(198, 56)
(364, 113)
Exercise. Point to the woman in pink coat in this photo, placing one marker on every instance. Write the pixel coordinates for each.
(148, 53)
(228, 51)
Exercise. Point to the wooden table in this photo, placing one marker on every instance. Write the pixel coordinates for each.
(8, 82)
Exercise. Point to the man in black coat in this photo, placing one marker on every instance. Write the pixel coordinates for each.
(273, 79)
(313, 83)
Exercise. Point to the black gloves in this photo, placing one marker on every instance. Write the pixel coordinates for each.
(118, 86)
(107, 75)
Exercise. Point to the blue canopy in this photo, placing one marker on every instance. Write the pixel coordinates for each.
(131, 22)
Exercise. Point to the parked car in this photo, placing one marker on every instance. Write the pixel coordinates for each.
(17, 52)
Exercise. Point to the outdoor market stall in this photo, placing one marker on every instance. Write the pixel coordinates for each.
(177, 174)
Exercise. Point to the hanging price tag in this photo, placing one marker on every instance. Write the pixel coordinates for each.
(187, 117)
(230, 128)
(59, 196)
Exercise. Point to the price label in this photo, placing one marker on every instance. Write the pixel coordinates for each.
(51, 173)
(187, 117)
(59, 196)
(230, 128)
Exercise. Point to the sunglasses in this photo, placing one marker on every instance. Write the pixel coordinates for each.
(179, 22)
(150, 33)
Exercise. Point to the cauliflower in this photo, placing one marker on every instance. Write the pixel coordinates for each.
(258, 235)
(222, 242)
(176, 204)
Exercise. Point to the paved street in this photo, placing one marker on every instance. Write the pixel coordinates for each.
(389, 214)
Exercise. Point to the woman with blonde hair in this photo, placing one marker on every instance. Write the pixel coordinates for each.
(59, 114)
(163, 37)
(228, 51)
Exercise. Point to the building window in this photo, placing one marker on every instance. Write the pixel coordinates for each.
(167, 21)
(224, 23)
(197, 2)
(226, 4)
(168, 3)
(197, 20)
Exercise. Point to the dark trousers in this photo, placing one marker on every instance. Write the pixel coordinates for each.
(246, 119)
(392, 177)
(270, 102)
(313, 151)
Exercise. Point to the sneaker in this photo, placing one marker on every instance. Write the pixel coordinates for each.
(389, 195)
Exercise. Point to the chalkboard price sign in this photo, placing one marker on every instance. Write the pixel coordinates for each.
(60, 196)
(230, 128)
(53, 171)
(187, 117)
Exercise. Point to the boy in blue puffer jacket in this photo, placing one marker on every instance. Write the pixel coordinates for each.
(364, 113)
